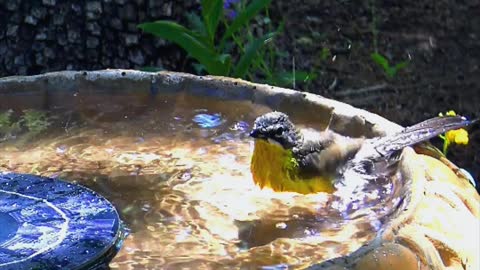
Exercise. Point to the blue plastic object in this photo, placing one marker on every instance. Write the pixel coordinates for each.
(47, 223)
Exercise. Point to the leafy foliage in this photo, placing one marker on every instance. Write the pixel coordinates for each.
(33, 121)
(221, 39)
(7, 125)
(383, 62)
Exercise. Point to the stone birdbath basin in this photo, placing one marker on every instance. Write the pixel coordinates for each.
(171, 151)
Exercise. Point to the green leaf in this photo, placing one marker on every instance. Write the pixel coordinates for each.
(391, 72)
(243, 18)
(324, 53)
(5, 118)
(304, 76)
(381, 61)
(196, 24)
(199, 68)
(226, 60)
(223, 58)
(211, 11)
(251, 50)
(286, 78)
(401, 65)
(188, 41)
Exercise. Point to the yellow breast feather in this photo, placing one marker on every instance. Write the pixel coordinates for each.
(276, 168)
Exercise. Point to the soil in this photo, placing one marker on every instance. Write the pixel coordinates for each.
(439, 39)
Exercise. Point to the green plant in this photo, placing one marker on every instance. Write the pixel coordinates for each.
(7, 125)
(222, 40)
(324, 54)
(383, 62)
(389, 70)
(35, 121)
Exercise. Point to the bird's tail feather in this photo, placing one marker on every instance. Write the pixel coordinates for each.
(419, 132)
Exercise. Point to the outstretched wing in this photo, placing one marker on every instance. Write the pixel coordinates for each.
(418, 133)
(380, 156)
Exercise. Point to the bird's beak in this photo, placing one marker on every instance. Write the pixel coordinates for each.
(255, 133)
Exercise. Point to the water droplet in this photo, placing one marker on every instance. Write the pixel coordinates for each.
(61, 149)
(309, 232)
(275, 267)
(146, 207)
(186, 176)
(468, 176)
(240, 126)
(202, 151)
(183, 234)
(376, 224)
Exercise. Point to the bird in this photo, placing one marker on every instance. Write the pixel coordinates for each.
(289, 159)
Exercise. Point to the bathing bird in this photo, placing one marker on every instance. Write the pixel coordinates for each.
(287, 158)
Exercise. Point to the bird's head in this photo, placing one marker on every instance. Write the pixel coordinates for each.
(275, 127)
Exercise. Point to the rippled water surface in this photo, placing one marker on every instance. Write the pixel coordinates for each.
(178, 172)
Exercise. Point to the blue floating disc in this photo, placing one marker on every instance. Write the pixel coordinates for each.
(47, 223)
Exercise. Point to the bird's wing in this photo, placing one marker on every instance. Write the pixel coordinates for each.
(418, 133)
(321, 153)
(380, 156)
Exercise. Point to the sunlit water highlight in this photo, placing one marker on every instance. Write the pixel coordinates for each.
(180, 180)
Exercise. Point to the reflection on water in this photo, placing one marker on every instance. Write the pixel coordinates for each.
(179, 176)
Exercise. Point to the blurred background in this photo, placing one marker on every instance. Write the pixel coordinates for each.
(405, 60)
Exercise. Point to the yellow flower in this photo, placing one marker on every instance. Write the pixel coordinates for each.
(449, 113)
(458, 136)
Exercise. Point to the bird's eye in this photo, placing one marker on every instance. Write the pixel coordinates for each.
(279, 131)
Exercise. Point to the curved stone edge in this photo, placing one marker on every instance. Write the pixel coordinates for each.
(339, 116)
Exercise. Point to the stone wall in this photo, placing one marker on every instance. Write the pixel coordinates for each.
(49, 35)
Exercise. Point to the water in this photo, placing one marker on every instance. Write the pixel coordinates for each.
(178, 172)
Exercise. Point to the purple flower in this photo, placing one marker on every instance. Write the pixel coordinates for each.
(231, 14)
(229, 8)
(229, 3)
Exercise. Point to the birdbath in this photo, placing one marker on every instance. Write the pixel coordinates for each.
(171, 151)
